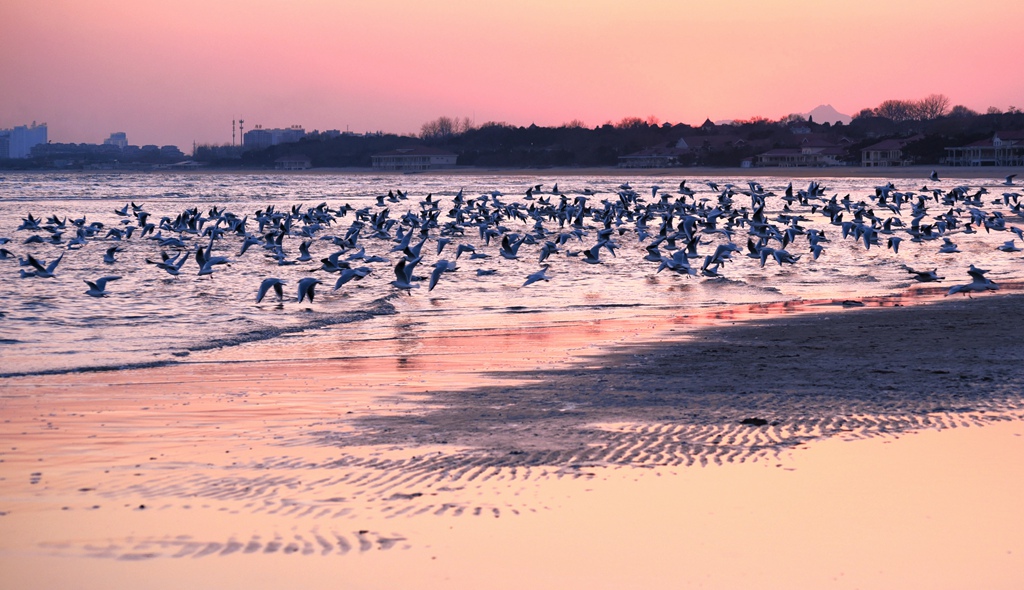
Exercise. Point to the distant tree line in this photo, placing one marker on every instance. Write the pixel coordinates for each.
(575, 144)
(932, 120)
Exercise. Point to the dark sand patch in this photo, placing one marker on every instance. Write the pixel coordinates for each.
(738, 391)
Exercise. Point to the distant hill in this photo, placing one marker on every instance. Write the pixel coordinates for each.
(826, 114)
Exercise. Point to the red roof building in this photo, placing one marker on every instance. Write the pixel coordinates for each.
(1005, 148)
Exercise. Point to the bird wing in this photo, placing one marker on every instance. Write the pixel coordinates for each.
(35, 263)
(101, 283)
(435, 275)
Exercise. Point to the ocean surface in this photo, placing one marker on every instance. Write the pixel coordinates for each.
(148, 316)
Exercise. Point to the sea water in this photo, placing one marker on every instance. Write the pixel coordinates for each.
(150, 317)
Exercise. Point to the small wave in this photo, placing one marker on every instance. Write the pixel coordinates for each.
(378, 307)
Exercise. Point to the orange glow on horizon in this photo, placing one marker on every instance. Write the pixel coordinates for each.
(174, 73)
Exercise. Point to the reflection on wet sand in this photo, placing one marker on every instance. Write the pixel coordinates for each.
(562, 441)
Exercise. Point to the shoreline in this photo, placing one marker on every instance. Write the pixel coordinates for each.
(904, 172)
(427, 461)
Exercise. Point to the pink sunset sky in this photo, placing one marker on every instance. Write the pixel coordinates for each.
(178, 72)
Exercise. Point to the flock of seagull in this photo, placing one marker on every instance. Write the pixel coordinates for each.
(671, 227)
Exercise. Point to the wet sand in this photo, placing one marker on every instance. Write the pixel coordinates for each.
(774, 446)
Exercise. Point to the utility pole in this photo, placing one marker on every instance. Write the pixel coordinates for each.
(232, 133)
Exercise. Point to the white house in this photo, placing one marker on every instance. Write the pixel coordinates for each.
(414, 158)
(298, 162)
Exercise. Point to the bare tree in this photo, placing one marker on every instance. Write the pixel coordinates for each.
(960, 111)
(897, 110)
(630, 123)
(445, 127)
(933, 106)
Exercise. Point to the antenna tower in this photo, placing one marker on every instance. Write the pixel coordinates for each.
(241, 131)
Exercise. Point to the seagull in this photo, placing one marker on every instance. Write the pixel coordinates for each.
(348, 274)
(1009, 180)
(508, 249)
(210, 262)
(45, 272)
(925, 276)
(1009, 246)
(894, 244)
(441, 243)
(304, 255)
(934, 176)
(306, 287)
(109, 256)
(978, 283)
(96, 289)
(548, 249)
(266, 285)
(403, 273)
(440, 267)
(948, 247)
(171, 265)
(537, 276)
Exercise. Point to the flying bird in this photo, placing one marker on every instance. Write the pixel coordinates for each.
(537, 276)
(440, 267)
(268, 284)
(45, 272)
(98, 287)
(306, 288)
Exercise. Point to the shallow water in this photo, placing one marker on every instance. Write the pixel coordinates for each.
(49, 325)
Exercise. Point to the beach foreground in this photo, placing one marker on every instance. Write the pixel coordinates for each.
(783, 446)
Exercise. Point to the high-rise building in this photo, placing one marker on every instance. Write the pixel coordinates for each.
(260, 138)
(21, 139)
(119, 139)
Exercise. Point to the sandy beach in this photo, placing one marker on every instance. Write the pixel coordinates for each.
(666, 453)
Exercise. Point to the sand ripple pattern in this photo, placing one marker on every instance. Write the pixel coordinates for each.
(314, 542)
(745, 394)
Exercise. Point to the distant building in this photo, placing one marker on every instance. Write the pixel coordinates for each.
(886, 153)
(21, 139)
(118, 139)
(654, 158)
(106, 155)
(298, 162)
(710, 143)
(1005, 148)
(812, 152)
(260, 138)
(171, 152)
(414, 158)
